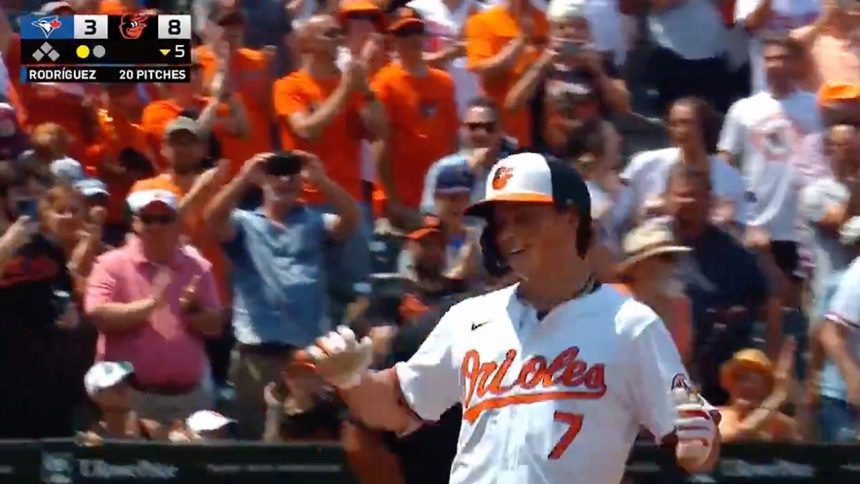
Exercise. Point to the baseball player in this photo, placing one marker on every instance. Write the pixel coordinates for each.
(555, 374)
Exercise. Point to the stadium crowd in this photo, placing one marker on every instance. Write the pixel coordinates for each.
(168, 250)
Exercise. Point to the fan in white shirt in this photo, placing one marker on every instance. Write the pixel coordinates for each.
(762, 134)
(691, 125)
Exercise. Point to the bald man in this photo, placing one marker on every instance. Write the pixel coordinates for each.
(316, 105)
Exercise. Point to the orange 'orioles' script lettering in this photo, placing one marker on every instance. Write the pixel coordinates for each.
(566, 370)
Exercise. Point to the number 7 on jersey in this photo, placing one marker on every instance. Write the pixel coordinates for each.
(574, 425)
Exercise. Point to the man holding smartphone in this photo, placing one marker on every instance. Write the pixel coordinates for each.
(276, 253)
(568, 60)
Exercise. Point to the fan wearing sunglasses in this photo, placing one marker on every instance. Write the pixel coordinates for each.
(153, 301)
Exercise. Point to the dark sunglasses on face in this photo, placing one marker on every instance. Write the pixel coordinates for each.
(163, 219)
(488, 126)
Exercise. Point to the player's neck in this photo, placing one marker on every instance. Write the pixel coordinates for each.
(563, 283)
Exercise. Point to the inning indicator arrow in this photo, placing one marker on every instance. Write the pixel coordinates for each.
(165, 51)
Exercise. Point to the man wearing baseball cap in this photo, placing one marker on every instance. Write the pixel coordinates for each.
(153, 302)
(839, 104)
(422, 98)
(538, 224)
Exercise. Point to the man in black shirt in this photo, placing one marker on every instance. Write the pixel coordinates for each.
(727, 288)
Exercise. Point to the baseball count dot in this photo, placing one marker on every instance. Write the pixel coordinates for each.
(83, 51)
(99, 51)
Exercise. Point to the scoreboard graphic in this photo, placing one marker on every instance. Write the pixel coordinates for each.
(106, 48)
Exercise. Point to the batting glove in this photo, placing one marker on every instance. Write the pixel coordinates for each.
(339, 359)
(694, 426)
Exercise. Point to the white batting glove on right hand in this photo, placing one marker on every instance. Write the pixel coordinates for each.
(339, 359)
(694, 426)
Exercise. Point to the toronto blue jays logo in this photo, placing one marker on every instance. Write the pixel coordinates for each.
(48, 24)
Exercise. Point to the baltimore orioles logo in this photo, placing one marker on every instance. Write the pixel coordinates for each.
(131, 26)
(501, 177)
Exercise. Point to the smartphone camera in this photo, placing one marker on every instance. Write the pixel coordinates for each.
(283, 164)
(571, 47)
(28, 207)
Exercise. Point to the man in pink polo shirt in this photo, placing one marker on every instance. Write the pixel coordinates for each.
(153, 301)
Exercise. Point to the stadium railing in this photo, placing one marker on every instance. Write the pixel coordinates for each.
(62, 461)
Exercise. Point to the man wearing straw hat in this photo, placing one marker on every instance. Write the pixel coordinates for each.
(648, 270)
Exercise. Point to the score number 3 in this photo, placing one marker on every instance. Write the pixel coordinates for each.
(574, 425)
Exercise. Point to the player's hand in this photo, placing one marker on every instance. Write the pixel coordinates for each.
(695, 428)
(339, 359)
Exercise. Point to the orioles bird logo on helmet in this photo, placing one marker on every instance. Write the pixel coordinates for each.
(131, 26)
(501, 177)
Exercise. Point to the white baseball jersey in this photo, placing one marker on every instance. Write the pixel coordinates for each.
(553, 401)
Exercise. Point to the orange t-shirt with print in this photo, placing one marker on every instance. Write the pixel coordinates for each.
(115, 133)
(422, 114)
(198, 232)
(252, 83)
(338, 145)
(487, 34)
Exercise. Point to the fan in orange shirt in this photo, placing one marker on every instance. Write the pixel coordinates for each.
(421, 104)
(221, 115)
(324, 112)
(248, 74)
(501, 42)
(110, 157)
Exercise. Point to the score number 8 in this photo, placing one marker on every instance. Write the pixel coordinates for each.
(174, 27)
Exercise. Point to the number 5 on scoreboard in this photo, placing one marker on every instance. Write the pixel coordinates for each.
(574, 425)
